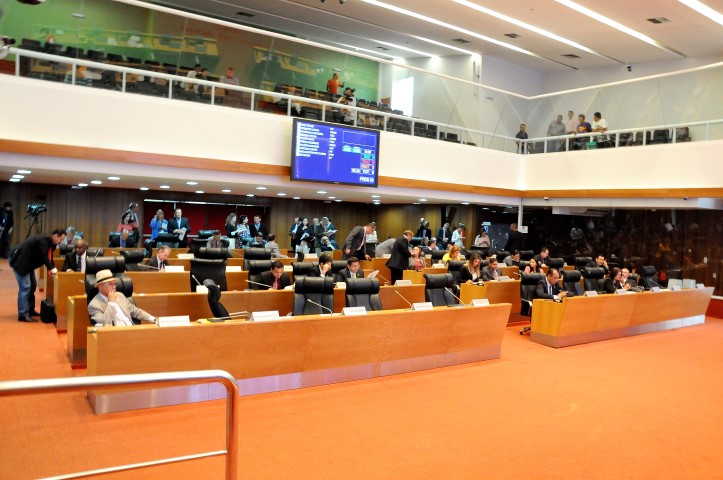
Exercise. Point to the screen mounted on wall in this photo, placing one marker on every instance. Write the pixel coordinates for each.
(332, 153)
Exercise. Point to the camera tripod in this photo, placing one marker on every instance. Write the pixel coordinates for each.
(35, 223)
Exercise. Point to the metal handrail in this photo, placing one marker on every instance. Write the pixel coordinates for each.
(54, 385)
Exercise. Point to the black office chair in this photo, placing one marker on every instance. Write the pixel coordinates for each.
(122, 284)
(633, 279)
(648, 279)
(437, 255)
(94, 252)
(257, 254)
(255, 269)
(65, 249)
(363, 292)
(337, 266)
(167, 239)
(571, 282)
(195, 245)
(438, 289)
(132, 258)
(581, 262)
(301, 269)
(501, 255)
(593, 278)
(95, 264)
(205, 234)
(526, 254)
(454, 266)
(212, 253)
(313, 295)
(113, 239)
(214, 299)
(528, 284)
(523, 264)
(204, 269)
(416, 241)
(557, 263)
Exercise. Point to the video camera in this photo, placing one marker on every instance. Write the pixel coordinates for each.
(6, 41)
(36, 209)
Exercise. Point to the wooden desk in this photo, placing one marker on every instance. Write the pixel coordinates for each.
(293, 353)
(591, 319)
(505, 291)
(418, 277)
(387, 296)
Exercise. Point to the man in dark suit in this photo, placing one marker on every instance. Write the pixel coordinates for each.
(492, 271)
(324, 267)
(544, 257)
(158, 261)
(352, 270)
(124, 240)
(275, 278)
(549, 287)
(444, 235)
(600, 262)
(257, 228)
(33, 253)
(515, 240)
(176, 226)
(355, 243)
(75, 260)
(399, 261)
(6, 229)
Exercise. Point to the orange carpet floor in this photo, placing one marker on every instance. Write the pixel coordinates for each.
(644, 407)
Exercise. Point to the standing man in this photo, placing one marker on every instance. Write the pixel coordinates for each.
(326, 229)
(355, 243)
(399, 261)
(582, 127)
(180, 227)
(33, 253)
(570, 124)
(75, 261)
(443, 236)
(515, 240)
(333, 84)
(601, 126)
(295, 233)
(522, 147)
(257, 228)
(6, 229)
(555, 129)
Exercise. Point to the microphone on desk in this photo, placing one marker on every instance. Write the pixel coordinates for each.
(319, 305)
(230, 316)
(196, 280)
(385, 280)
(455, 296)
(407, 301)
(268, 287)
(143, 265)
(656, 283)
(96, 253)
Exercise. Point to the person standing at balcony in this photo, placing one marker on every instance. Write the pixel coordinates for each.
(522, 147)
(333, 84)
(555, 128)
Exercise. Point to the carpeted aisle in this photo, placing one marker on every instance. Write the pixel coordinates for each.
(637, 408)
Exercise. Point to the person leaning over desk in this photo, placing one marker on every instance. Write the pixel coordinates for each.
(548, 288)
(112, 308)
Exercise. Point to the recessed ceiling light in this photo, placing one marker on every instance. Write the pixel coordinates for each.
(416, 203)
(465, 203)
(96, 182)
(18, 176)
(422, 199)
(376, 196)
(82, 184)
(703, 10)
(165, 186)
(260, 188)
(115, 179)
(338, 200)
(25, 172)
(145, 188)
(485, 208)
(297, 198)
(14, 179)
(321, 192)
(191, 183)
(226, 190)
(281, 194)
(200, 191)
(331, 197)
(250, 195)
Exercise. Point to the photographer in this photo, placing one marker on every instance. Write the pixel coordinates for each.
(347, 114)
(33, 253)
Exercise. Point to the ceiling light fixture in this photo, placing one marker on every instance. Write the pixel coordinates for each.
(96, 182)
(14, 180)
(114, 179)
(165, 186)
(82, 184)
(191, 183)
(200, 191)
(703, 10)
(25, 172)
(321, 192)
(18, 176)
(250, 195)
(145, 189)
(226, 190)
(260, 188)
(281, 194)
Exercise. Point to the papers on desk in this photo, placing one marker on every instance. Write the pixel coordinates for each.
(173, 268)
(590, 293)
(373, 274)
(181, 233)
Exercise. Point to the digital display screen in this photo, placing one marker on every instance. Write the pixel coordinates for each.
(333, 153)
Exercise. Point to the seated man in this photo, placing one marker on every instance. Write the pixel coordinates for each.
(274, 247)
(258, 241)
(513, 260)
(126, 240)
(491, 271)
(430, 247)
(275, 278)
(215, 241)
(544, 257)
(549, 287)
(352, 270)
(75, 260)
(112, 308)
(158, 262)
(599, 261)
(324, 267)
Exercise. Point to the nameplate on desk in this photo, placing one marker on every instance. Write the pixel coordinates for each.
(351, 311)
(503, 278)
(591, 293)
(173, 268)
(689, 283)
(202, 289)
(622, 291)
(655, 289)
(340, 284)
(700, 285)
(480, 302)
(403, 283)
(676, 288)
(310, 256)
(288, 269)
(438, 265)
(264, 316)
(233, 268)
(422, 306)
(185, 256)
(174, 321)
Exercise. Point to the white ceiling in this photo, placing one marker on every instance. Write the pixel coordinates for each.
(362, 24)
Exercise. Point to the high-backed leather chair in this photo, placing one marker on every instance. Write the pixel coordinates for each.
(593, 278)
(65, 249)
(301, 269)
(437, 255)
(255, 268)
(526, 254)
(95, 264)
(113, 237)
(257, 254)
(313, 295)
(571, 282)
(523, 264)
(528, 284)
(581, 262)
(195, 245)
(416, 241)
(454, 266)
(363, 292)
(438, 289)
(337, 266)
(94, 252)
(205, 234)
(633, 279)
(212, 253)
(204, 269)
(501, 255)
(557, 263)
(132, 258)
(648, 279)
(214, 299)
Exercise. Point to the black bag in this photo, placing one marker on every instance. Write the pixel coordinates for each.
(47, 312)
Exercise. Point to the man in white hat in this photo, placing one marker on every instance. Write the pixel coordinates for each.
(113, 308)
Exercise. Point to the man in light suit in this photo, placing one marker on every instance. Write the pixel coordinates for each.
(354, 245)
(352, 270)
(176, 226)
(75, 260)
(111, 308)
